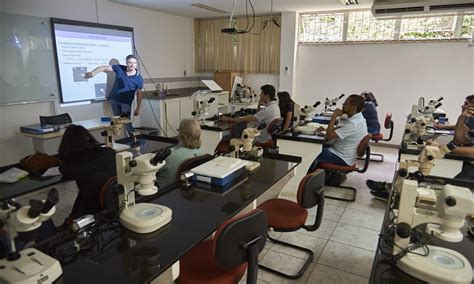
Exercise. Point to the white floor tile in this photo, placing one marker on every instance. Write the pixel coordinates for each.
(282, 262)
(347, 258)
(325, 274)
(272, 278)
(323, 232)
(362, 219)
(303, 240)
(332, 212)
(355, 236)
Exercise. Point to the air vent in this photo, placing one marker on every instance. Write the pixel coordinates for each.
(399, 10)
(210, 8)
(451, 6)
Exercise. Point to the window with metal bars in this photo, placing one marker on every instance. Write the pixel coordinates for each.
(321, 27)
(428, 27)
(361, 26)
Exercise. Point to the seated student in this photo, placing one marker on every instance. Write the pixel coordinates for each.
(89, 164)
(287, 109)
(265, 115)
(370, 113)
(347, 135)
(189, 146)
(467, 102)
(463, 140)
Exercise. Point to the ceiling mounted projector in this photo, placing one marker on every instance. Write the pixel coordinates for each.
(231, 31)
(234, 30)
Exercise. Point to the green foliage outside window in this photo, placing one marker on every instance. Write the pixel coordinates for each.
(467, 26)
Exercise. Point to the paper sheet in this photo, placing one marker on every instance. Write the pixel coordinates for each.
(12, 175)
(54, 171)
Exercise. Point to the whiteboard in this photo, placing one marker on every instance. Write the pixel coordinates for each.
(28, 71)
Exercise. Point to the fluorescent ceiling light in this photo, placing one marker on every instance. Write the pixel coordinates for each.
(210, 8)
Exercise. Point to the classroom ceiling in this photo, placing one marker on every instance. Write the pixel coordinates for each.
(185, 9)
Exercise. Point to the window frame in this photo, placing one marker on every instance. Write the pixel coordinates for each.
(397, 29)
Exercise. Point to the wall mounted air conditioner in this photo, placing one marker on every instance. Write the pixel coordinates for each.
(389, 8)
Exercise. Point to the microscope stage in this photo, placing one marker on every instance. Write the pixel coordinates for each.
(145, 218)
(441, 265)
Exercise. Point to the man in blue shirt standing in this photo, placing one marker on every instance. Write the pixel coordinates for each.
(128, 82)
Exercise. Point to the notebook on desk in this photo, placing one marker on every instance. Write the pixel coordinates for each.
(39, 129)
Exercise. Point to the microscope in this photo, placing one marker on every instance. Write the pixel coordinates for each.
(244, 144)
(428, 110)
(115, 128)
(329, 105)
(415, 129)
(309, 111)
(443, 212)
(444, 220)
(141, 218)
(202, 109)
(29, 265)
(425, 161)
(424, 164)
(244, 148)
(244, 94)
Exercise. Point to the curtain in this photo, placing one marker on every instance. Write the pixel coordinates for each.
(254, 52)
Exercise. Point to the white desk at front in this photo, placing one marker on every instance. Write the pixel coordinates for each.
(49, 142)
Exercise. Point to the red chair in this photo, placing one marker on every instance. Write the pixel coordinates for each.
(363, 150)
(108, 199)
(224, 258)
(288, 216)
(388, 124)
(223, 147)
(273, 129)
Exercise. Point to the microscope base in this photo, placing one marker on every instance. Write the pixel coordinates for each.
(440, 266)
(32, 267)
(145, 218)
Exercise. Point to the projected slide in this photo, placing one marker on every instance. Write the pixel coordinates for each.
(82, 48)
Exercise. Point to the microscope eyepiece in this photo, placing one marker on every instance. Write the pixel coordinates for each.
(160, 156)
(35, 208)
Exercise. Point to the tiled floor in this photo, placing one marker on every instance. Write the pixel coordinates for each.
(345, 244)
